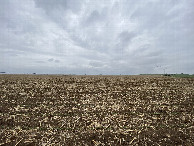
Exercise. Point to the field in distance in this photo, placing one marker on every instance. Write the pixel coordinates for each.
(96, 110)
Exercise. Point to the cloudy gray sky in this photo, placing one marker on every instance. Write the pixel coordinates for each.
(97, 36)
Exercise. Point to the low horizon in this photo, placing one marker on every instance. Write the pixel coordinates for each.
(72, 74)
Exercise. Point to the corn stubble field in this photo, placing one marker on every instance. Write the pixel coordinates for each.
(96, 110)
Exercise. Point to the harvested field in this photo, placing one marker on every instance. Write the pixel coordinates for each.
(96, 110)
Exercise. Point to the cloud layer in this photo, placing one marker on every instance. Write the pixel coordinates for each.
(96, 37)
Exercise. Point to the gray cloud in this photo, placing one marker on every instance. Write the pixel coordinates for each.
(57, 61)
(40, 61)
(51, 59)
(93, 37)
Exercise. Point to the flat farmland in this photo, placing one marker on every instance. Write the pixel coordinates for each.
(96, 110)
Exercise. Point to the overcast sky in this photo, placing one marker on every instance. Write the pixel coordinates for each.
(97, 36)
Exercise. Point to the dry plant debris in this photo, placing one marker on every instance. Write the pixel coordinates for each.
(96, 110)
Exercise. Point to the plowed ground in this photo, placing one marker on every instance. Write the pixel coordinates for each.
(96, 110)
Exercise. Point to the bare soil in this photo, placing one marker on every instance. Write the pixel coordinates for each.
(96, 110)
